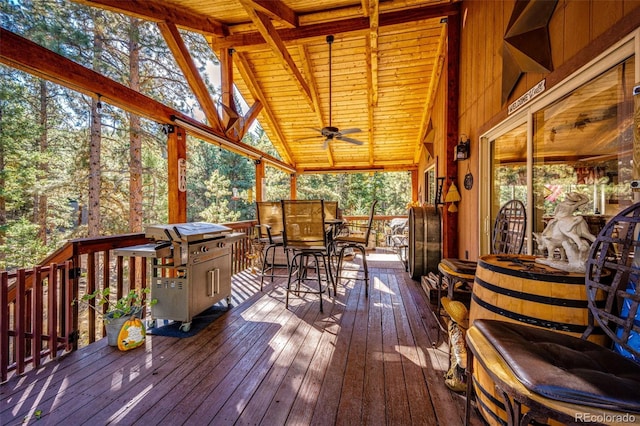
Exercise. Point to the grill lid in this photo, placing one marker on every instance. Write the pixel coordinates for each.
(186, 232)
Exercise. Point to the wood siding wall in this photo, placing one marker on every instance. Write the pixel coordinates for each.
(579, 30)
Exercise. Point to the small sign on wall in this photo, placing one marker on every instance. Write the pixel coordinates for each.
(527, 97)
(182, 175)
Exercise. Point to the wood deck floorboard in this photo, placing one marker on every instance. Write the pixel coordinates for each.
(375, 361)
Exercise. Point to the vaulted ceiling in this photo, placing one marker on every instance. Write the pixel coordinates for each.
(386, 60)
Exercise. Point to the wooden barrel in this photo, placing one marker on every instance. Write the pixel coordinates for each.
(514, 288)
(424, 240)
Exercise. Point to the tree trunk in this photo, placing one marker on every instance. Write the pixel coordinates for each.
(95, 173)
(3, 205)
(135, 137)
(41, 200)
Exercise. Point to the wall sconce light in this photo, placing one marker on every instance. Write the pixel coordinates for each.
(453, 196)
(463, 148)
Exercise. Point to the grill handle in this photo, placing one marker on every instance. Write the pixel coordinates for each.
(214, 282)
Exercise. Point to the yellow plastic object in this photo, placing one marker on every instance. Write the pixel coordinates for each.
(131, 334)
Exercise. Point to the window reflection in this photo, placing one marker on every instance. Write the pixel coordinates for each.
(582, 143)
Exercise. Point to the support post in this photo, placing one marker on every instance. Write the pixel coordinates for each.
(450, 219)
(294, 183)
(259, 180)
(177, 174)
(414, 185)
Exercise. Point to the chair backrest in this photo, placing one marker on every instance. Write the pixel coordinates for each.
(509, 228)
(372, 211)
(330, 210)
(269, 213)
(303, 223)
(616, 280)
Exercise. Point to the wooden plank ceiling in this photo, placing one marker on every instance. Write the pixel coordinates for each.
(386, 60)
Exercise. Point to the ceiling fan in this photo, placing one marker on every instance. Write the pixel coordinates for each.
(331, 132)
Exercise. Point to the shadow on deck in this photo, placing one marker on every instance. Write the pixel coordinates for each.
(362, 361)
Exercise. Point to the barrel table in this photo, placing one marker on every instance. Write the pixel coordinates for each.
(515, 288)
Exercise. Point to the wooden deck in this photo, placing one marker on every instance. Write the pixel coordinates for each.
(362, 361)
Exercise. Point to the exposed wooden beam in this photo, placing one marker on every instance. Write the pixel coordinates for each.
(372, 68)
(242, 125)
(278, 11)
(436, 72)
(20, 53)
(365, 7)
(358, 169)
(226, 87)
(373, 43)
(247, 41)
(247, 75)
(159, 11)
(449, 219)
(269, 33)
(183, 58)
(370, 109)
(23, 54)
(306, 65)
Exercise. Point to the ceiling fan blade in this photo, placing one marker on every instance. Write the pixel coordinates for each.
(317, 130)
(347, 131)
(326, 143)
(350, 140)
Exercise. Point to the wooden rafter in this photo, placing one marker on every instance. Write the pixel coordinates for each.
(20, 53)
(270, 35)
(370, 101)
(436, 72)
(365, 7)
(158, 11)
(242, 125)
(278, 11)
(372, 68)
(248, 41)
(171, 35)
(247, 75)
(230, 110)
(306, 64)
(373, 43)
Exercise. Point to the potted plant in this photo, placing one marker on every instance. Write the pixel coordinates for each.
(120, 311)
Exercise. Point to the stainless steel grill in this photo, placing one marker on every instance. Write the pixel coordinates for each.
(191, 268)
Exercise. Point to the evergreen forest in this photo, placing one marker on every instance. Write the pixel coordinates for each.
(73, 166)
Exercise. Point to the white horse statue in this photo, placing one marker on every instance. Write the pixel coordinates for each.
(567, 233)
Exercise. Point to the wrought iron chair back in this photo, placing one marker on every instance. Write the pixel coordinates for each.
(509, 229)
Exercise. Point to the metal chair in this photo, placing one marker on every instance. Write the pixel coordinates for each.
(563, 377)
(356, 238)
(305, 237)
(330, 210)
(270, 228)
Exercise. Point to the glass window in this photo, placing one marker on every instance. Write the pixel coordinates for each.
(582, 142)
(508, 169)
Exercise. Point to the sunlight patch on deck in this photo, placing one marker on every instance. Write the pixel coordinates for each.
(414, 354)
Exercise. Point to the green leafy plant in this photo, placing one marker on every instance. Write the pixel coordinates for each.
(129, 304)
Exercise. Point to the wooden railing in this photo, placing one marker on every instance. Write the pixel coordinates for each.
(39, 315)
(40, 318)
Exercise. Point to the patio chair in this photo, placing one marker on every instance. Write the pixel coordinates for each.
(356, 238)
(270, 227)
(330, 210)
(305, 238)
(562, 377)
